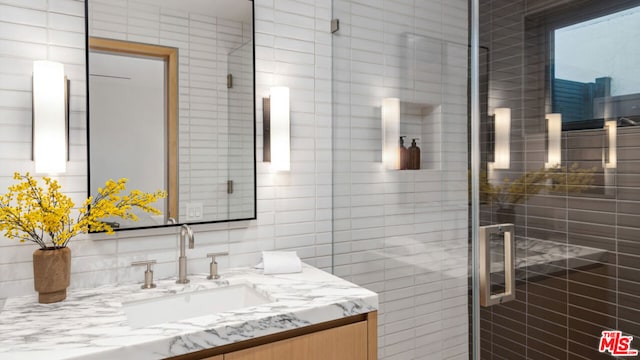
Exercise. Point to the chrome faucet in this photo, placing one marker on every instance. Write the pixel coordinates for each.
(185, 231)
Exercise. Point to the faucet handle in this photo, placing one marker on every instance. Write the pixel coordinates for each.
(148, 274)
(213, 267)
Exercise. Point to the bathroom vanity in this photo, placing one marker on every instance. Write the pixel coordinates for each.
(243, 315)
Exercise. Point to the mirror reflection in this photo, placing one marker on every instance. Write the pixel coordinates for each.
(171, 105)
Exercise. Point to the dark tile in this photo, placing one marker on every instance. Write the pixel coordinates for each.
(630, 315)
(502, 352)
(603, 205)
(629, 247)
(629, 180)
(486, 354)
(605, 258)
(587, 153)
(626, 220)
(593, 267)
(628, 137)
(628, 153)
(585, 326)
(511, 310)
(546, 337)
(583, 139)
(537, 272)
(548, 304)
(628, 274)
(546, 212)
(509, 328)
(548, 292)
(628, 194)
(598, 242)
(587, 340)
(546, 234)
(630, 328)
(591, 229)
(555, 279)
(599, 319)
(631, 261)
(598, 293)
(602, 307)
(545, 348)
(546, 223)
(539, 313)
(586, 352)
(629, 233)
(533, 354)
(513, 341)
(630, 301)
(628, 287)
(593, 217)
(586, 278)
(628, 167)
(547, 201)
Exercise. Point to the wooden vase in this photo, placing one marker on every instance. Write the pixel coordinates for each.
(51, 274)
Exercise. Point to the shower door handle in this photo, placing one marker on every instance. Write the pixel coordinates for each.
(506, 232)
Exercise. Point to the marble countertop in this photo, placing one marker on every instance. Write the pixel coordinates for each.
(544, 257)
(91, 323)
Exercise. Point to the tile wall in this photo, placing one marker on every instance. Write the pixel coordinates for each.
(403, 233)
(559, 313)
(294, 209)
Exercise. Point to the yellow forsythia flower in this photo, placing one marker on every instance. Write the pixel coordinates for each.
(30, 213)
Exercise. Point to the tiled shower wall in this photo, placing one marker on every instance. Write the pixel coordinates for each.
(559, 313)
(204, 44)
(403, 233)
(294, 209)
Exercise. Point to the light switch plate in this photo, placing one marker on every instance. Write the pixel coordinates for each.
(195, 211)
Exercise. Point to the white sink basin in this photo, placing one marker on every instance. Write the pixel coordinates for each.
(142, 313)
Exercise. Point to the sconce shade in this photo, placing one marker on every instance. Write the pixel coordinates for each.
(611, 153)
(502, 146)
(554, 140)
(49, 117)
(280, 129)
(391, 133)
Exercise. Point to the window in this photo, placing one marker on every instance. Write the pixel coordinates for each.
(595, 71)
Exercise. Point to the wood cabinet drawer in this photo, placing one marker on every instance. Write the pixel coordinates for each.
(347, 342)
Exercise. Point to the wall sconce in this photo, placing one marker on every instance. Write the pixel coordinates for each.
(553, 140)
(276, 126)
(50, 117)
(610, 156)
(502, 138)
(391, 133)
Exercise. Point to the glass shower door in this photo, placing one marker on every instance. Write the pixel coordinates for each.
(559, 162)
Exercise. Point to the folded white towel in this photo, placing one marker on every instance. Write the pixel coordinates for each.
(280, 262)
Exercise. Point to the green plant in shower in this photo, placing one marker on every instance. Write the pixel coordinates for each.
(509, 192)
(572, 180)
(555, 180)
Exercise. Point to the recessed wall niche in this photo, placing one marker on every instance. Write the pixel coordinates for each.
(423, 122)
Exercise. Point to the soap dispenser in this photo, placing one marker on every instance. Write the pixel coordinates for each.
(414, 156)
(404, 155)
